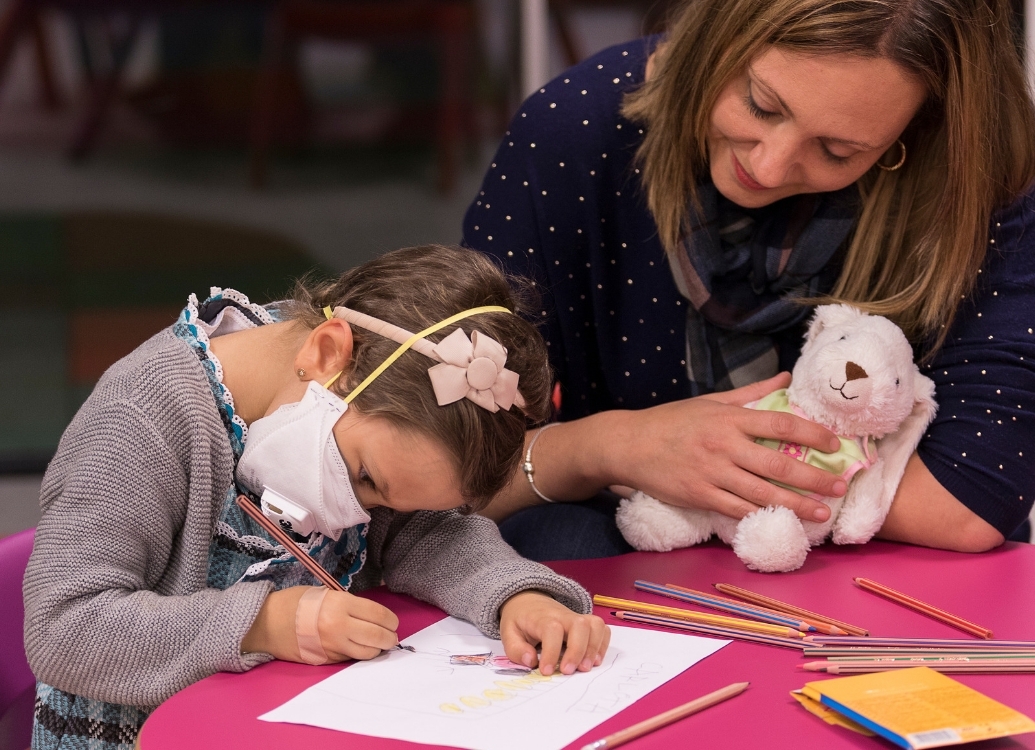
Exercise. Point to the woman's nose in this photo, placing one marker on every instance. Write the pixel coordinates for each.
(773, 160)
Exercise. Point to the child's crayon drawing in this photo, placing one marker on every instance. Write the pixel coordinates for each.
(504, 690)
(455, 687)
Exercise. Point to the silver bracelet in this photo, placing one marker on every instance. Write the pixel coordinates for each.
(527, 466)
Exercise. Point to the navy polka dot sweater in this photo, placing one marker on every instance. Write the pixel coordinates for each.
(562, 203)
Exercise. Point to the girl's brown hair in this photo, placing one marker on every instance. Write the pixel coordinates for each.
(415, 288)
(922, 232)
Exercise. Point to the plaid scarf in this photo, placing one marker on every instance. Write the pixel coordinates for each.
(742, 270)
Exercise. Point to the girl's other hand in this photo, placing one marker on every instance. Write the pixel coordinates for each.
(531, 617)
(350, 626)
(701, 453)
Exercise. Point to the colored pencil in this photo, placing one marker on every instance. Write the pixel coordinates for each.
(816, 625)
(770, 603)
(1022, 658)
(862, 653)
(706, 600)
(826, 640)
(638, 730)
(712, 631)
(685, 614)
(949, 666)
(923, 608)
(281, 536)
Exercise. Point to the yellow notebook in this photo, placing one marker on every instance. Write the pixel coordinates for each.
(918, 708)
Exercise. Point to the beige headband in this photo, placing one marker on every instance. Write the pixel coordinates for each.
(472, 368)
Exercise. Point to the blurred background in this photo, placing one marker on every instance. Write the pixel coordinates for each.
(154, 148)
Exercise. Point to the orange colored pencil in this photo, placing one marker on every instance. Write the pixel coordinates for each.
(638, 730)
(923, 608)
(767, 601)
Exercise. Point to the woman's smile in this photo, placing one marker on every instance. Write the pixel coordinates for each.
(743, 176)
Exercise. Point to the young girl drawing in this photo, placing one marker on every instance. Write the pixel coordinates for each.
(145, 575)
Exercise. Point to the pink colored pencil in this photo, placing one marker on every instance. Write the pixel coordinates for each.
(712, 631)
(959, 667)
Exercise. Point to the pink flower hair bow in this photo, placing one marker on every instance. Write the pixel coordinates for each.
(474, 368)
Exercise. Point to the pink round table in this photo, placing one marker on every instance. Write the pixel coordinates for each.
(995, 589)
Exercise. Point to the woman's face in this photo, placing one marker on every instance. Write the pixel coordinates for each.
(793, 123)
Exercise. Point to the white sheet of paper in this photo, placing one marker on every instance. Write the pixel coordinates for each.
(421, 697)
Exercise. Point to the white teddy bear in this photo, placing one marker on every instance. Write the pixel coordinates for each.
(856, 377)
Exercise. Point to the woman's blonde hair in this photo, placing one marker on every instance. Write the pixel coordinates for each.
(415, 288)
(922, 231)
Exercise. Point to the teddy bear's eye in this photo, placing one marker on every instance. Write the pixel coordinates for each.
(842, 338)
(896, 381)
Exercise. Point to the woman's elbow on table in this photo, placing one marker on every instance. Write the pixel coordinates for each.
(927, 514)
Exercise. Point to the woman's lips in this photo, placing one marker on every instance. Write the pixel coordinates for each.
(744, 177)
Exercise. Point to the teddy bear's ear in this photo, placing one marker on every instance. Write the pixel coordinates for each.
(827, 316)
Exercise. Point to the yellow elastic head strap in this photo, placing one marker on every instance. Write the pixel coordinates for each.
(408, 343)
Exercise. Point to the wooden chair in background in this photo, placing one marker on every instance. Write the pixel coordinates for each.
(120, 22)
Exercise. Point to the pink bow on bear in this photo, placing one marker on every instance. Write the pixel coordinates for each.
(474, 368)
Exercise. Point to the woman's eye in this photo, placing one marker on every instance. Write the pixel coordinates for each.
(754, 109)
(832, 157)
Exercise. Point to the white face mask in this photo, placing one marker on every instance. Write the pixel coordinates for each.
(293, 461)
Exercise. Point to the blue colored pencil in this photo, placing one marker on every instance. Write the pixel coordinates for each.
(705, 600)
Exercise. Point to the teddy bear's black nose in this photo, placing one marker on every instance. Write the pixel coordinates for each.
(854, 372)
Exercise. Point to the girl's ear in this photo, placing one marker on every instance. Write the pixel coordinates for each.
(326, 351)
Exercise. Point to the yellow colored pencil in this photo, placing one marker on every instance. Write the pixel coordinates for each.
(685, 614)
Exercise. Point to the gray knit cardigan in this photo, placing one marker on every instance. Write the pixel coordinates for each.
(116, 603)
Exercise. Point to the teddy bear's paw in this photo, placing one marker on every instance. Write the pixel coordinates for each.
(771, 540)
(650, 525)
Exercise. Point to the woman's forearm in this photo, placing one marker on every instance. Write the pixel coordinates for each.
(572, 462)
(927, 514)
(696, 453)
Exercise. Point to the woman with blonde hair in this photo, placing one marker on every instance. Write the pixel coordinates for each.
(683, 200)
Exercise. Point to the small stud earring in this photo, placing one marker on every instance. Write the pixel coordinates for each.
(301, 373)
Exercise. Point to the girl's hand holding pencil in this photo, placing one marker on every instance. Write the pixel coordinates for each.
(348, 626)
(313, 624)
(294, 623)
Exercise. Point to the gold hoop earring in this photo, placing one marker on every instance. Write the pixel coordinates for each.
(301, 373)
(901, 161)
